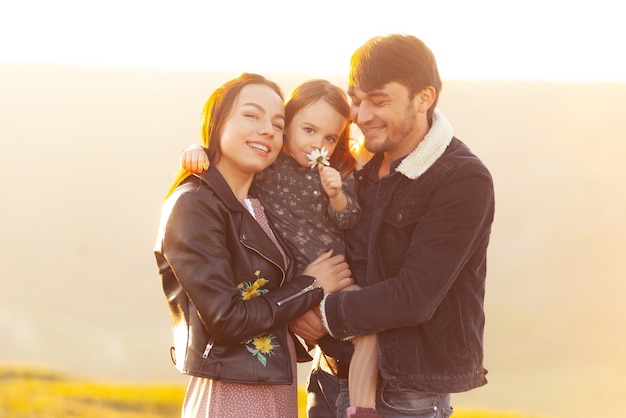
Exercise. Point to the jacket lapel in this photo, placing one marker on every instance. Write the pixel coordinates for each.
(250, 233)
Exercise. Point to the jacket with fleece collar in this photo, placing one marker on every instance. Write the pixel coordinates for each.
(424, 286)
(207, 246)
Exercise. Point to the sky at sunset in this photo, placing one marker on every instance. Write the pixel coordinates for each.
(508, 40)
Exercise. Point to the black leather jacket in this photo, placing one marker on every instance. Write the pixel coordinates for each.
(207, 246)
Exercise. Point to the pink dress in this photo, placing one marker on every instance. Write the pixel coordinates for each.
(209, 398)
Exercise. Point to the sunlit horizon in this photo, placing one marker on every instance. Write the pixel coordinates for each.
(484, 40)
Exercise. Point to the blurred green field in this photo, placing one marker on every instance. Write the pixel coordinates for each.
(33, 392)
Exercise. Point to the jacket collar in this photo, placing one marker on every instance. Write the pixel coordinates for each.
(429, 149)
(425, 154)
(215, 181)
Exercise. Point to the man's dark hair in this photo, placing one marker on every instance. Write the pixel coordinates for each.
(400, 58)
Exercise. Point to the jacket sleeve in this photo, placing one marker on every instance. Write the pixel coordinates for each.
(195, 245)
(454, 227)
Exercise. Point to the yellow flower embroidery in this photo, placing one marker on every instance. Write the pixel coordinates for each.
(263, 344)
(263, 347)
(260, 347)
(252, 290)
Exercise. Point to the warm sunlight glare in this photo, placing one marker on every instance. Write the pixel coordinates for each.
(533, 40)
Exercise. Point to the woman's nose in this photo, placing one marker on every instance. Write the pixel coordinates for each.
(267, 127)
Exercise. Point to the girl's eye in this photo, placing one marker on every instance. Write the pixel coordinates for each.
(331, 139)
(251, 116)
(309, 130)
(379, 103)
(278, 127)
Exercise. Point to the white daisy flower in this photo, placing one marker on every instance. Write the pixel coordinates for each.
(318, 157)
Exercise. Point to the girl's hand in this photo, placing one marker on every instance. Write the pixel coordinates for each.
(194, 159)
(331, 180)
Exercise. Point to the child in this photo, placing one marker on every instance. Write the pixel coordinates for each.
(310, 210)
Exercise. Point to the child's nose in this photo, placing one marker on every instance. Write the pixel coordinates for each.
(318, 143)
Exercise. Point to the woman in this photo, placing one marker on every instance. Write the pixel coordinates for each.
(312, 210)
(230, 286)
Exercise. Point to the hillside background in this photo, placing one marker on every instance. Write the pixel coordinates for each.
(87, 154)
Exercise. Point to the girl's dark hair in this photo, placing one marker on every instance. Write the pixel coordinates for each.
(400, 58)
(311, 92)
(215, 113)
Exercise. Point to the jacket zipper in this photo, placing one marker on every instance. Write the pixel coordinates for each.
(207, 349)
(288, 298)
(301, 292)
(282, 270)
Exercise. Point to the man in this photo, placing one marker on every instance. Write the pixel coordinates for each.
(419, 251)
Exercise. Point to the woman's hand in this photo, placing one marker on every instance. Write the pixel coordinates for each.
(309, 326)
(332, 273)
(194, 159)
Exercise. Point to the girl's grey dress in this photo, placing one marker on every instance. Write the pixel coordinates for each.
(300, 210)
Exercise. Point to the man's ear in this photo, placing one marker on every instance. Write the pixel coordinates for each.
(425, 99)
